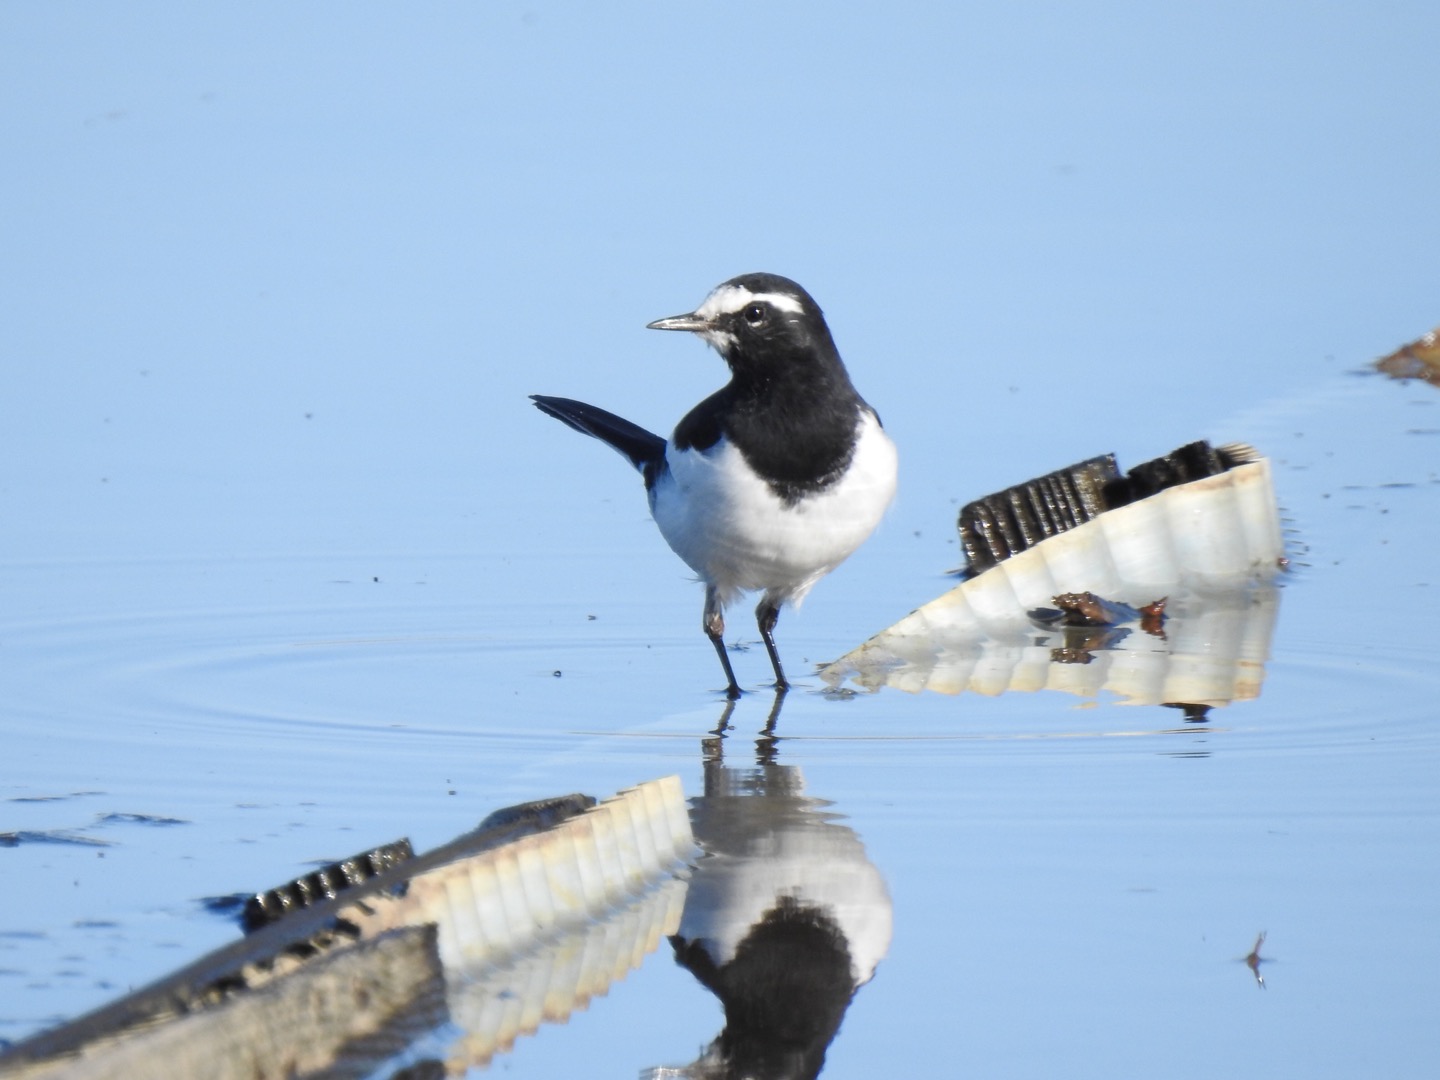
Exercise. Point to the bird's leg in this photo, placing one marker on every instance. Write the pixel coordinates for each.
(767, 746)
(766, 616)
(714, 625)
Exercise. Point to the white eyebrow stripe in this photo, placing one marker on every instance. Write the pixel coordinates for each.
(728, 299)
(783, 301)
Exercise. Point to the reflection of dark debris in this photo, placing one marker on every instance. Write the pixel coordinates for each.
(1088, 622)
(429, 1069)
(262, 909)
(1082, 642)
(1092, 623)
(1254, 960)
(49, 836)
(253, 975)
(1194, 714)
(228, 905)
(52, 798)
(139, 819)
(1095, 637)
(1418, 360)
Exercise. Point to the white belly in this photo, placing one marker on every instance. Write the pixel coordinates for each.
(739, 536)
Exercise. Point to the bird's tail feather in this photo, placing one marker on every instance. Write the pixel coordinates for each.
(642, 448)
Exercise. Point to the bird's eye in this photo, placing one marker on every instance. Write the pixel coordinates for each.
(754, 314)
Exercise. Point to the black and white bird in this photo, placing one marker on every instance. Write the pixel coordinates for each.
(774, 480)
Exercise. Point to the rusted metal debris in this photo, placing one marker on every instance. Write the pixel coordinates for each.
(1152, 617)
(1088, 609)
(1418, 360)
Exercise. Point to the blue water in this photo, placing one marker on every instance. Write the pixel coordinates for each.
(1064, 873)
(289, 567)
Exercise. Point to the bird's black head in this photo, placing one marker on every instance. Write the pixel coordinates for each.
(759, 321)
(789, 406)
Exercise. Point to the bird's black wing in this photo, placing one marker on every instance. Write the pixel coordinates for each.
(644, 449)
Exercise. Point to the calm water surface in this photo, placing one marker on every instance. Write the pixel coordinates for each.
(290, 568)
(1074, 883)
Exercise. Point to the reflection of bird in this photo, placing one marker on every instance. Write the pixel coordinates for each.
(771, 482)
(785, 918)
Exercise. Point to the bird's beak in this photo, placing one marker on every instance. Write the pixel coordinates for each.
(691, 322)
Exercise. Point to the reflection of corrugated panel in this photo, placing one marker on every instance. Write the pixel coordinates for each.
(291, 1026)
(496, 1007)
(506, 900)
(552, 917)
(1213, 546)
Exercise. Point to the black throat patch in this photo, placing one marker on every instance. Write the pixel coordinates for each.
(798, 439)
(789, 408)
